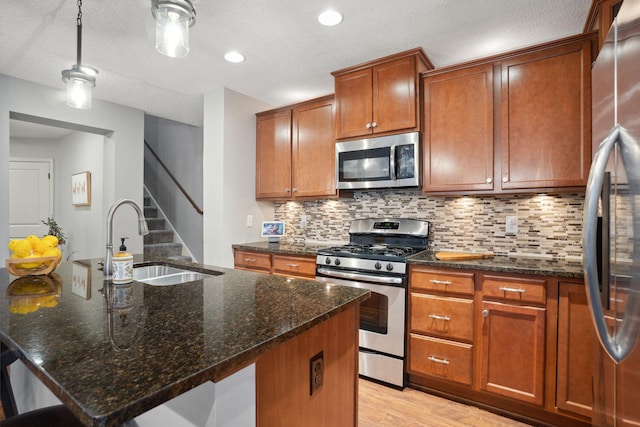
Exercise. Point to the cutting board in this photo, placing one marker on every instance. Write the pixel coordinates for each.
(458, 256)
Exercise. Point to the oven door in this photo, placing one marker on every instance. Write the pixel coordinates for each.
(382, 317)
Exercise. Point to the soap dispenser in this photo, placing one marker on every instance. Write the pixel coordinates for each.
(122, 265)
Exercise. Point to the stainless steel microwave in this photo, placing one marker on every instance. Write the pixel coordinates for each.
(383, 162)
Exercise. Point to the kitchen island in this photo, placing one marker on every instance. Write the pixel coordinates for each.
(109, 363)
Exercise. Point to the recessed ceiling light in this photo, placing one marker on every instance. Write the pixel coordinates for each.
(234, 57)
(330, 18)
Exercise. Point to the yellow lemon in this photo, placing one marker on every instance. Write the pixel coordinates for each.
(43, 246)
(30, 265)
(58, 253)
(33, 239)
(53, 240)
(12, 244)
(22, 248)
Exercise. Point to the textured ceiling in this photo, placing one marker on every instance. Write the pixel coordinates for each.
(289, 54)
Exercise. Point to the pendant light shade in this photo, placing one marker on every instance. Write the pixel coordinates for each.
(80, 84)
(80, 79)
(173, 19)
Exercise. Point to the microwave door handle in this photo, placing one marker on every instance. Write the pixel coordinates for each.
(392, 162)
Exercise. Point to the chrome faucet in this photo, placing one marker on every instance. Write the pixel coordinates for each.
(142, 230)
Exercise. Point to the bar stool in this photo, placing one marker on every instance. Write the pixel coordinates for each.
(53, 416)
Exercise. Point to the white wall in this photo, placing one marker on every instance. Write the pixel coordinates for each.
(229, 157)
(76, 152)
(122, 155)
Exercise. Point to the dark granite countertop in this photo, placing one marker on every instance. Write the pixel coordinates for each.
(307, 249)
(507, 264)
(110, 365)
(498, 264)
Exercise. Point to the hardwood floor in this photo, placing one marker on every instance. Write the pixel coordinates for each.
(382, 406)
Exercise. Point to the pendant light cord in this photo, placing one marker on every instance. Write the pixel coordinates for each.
(79, 27)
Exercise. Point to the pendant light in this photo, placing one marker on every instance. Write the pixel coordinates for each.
(173, 19)
(80, 79)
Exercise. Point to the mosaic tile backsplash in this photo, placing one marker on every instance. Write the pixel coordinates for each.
(549, 225)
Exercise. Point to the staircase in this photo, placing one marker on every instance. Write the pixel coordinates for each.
(160, 240)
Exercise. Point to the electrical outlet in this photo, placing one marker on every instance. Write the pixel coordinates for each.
(512, 224)
(316, 372)
(303, 221)
(249, 220)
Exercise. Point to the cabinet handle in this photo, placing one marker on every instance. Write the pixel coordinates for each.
(250, 260)
(485, 313)
(440, 282)
(505, 178)
(293, 265)
(374, 125)
(439, 317)
(489, 180)
(506, 289)
(295, 190)
(438, 360)
(368, 125)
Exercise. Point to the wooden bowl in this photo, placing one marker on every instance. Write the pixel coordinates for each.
(34, 266)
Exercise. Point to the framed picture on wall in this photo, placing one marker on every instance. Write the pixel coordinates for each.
(81, 189)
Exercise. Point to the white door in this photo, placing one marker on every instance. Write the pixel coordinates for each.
(30, 196)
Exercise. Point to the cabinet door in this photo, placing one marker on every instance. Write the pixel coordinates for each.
(314, 158)
(354, 104)
(576, 342)
(458, 130)
(273, 155)
(394, 95)
(546, 116)
(252, 261)
(291, 266)
(512, 351)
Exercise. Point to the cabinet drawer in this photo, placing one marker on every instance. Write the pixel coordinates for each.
(252, 261)
(515, 289)
(434, 280)
(440, 358)
(294, 266)
(444, 316)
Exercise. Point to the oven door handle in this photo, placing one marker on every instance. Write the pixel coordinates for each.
(360, 276)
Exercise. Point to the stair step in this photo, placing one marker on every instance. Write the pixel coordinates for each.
(163, 250)
(150, 212)
(158, 236)
(156, 223)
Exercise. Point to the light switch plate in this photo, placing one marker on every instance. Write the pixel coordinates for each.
(249, 220)
(512, 224)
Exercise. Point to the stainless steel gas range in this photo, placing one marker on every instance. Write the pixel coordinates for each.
(376, 259)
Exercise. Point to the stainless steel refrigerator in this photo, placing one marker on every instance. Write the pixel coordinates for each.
(611, 235)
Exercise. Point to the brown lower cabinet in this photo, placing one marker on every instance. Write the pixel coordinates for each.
(297, 266)
(283, 377)
(511, 343)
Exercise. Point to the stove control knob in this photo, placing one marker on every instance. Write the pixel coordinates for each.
(327, 260)
(378, 266)
(389, 267)
(337, 261)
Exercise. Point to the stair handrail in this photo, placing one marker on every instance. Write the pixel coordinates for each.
(174, 179)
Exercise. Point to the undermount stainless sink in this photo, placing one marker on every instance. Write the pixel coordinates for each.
(165, 275)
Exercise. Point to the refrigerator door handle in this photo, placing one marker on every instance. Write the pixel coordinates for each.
(621, 343)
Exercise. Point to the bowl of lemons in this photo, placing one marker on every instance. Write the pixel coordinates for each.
(33, 255)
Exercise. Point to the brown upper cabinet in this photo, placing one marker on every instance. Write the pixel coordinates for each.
(295, 151)
(380, 97)
(511, 123)
(601, 16)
